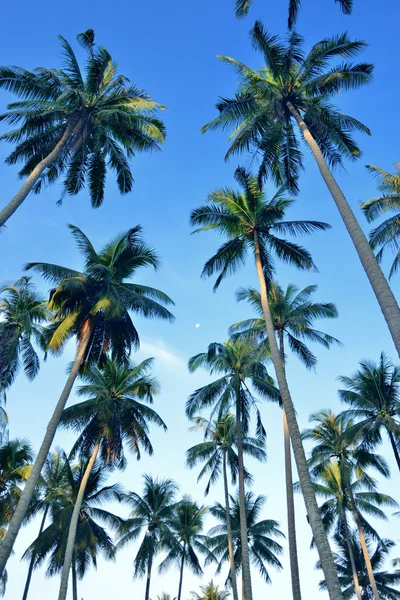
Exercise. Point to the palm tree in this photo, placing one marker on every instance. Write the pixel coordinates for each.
(53, 482)
(77, 125)
(16, 457)
(218, 450)
(210, 592)
(292, 96)
(386, 236)
(114, 415)
(263, 548)
(186, 540)
(293, 314)
(93, 306)
(22, 311)
(151, 512)
(249, 222)
(238, 362)
(242, 8)
(91, 538)
(384, 579)
(331, 446)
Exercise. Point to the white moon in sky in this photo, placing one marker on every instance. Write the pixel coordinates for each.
(197, 325)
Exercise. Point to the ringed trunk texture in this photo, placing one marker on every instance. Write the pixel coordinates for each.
(181, 573)
(26, 188)
(69, 550)
(319, 533)
(229, 532)
(351, 556)
(32, 561)
(31, 483)
(394, 448)
(74, 583)
(379, 284)
(242, 506)
(148, 576)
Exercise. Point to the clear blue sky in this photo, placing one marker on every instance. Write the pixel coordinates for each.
(169, 49)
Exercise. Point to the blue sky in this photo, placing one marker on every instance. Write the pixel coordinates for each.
(169, 49)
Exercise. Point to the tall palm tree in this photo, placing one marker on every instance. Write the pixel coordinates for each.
(373, 394)
(331, 446)
(263, 548)
(384, 580)
(242, 8)
(150, 512)
(386, 236)
(16, 457)
(77, 124)
(186, 540)
(291, 96)
(250, 223)
(92, 539)
(93, 306)
(23, 311)
(113, 415)
(218, 452)
(293, 314)
(238, 363)
(210, 592)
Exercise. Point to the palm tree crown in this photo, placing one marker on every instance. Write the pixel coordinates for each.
(16, 457)
(210, 592)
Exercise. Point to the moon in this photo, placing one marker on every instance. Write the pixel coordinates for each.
(197, 325)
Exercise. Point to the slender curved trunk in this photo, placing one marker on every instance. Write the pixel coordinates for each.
(74, 583)
(394, 448)
(242, 501)
(363, 543)
(181, 572)
(149, 567)
(379, 284)
(318, 531)
(229, 532)
(69, 550)
(351, 556)
(291, 519)
(26, 496)
(30, 181)
(32, 561)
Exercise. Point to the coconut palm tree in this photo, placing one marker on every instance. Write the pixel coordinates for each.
(242, 8)
(210, 592)
(77, 124)
(384, 580)
(386, 236)
(373, 394)
(93, 307)
(91, 539)
(250, 223)
(291, 96)
(186, 540)
(293, 314)
(150, 512)
(16, 457)
(23, 311)
(218, 452)
(263, 548)
(113, 415)
(331, 446)
(238, 363)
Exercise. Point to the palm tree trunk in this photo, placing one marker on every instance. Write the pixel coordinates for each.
(26, 496)
(318, 531)
(181, 572)
(351, 556)
(18, 199)
(243, 594)
(291, 519)
(69, 550)
(380, 286)
(242, 502)
(32, 561)
(74, 583)
(394, 448)
(149, 567)
(229, 532)
(363, 543)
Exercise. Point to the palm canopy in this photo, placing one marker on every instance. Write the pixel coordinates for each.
(113, 412)
(151, 512)
(239, 215)
(16, 457)
(100, 297)
(105, 118)
(91, 538)
(220, 439)
(23, 311)
(385, 581)
(210, 592)
(293, 313)
(263, 548)
(259, 116)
